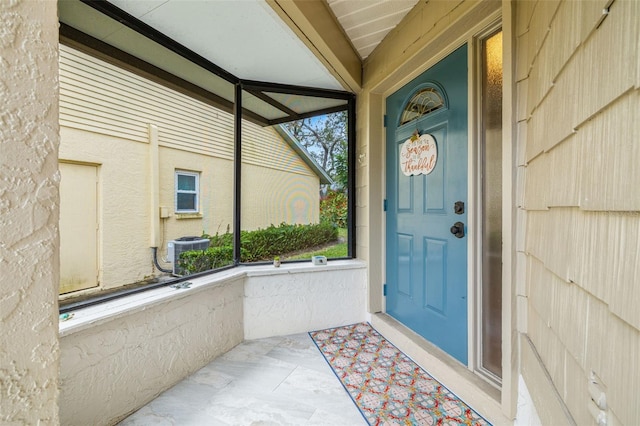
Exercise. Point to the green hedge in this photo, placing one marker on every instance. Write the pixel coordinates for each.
(259, 245)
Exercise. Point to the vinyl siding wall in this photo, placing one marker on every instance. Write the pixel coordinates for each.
(105, 114)
(578, 80)
(102, 98)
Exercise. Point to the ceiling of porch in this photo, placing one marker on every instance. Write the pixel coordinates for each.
(367, 22)
(213, 44)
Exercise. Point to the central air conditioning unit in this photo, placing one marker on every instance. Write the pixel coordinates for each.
(180, 245)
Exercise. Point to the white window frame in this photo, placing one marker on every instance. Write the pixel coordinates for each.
(177, 191)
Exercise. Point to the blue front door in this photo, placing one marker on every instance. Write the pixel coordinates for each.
(427, 213)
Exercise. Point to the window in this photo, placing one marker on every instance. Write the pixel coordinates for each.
(269, 180)
(490, 319)
(186, 192)
(295, 190)
(422, 103)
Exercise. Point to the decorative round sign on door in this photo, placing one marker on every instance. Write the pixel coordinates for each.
(418, 156)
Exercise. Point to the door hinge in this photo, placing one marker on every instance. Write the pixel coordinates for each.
(385, 205)
(384, 289)
(385, 120)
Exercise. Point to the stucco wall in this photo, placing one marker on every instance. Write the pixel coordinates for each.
(123, 206)
(270, 196)
(28, 213)
(115, 365)
(216, 194)
(118, 356)
(303, 299)
(578, 107)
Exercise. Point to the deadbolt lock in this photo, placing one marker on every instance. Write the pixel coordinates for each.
(458, 207)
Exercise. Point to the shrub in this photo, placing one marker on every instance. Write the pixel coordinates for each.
(202, 260)
(333, 209)
(262, 244)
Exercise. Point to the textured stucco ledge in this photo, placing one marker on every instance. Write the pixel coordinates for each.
(307, 267)
(119, 355)
(92, 316)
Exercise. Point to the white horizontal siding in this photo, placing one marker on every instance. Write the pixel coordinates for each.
(100, 97)
(265, 147)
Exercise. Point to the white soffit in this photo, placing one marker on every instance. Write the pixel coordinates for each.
(303, 104)
(244, 37)
(367, 22)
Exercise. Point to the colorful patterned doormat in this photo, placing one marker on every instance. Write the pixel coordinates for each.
(386, 385)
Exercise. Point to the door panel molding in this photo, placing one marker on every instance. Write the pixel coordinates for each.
(435, 273)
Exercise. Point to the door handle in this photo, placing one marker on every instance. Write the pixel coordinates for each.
(458, 229)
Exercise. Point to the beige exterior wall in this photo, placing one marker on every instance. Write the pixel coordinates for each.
(103, 98)
(78, 219)
(427, 29)
(216, 194)
(29, 267)
(578, 108)
(298, 202)
(277, 185)
(123, 206)
(576, 232)
(138, 133)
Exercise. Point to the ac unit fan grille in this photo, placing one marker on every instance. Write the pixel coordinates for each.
(176, 247)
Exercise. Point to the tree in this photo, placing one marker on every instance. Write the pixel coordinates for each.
(341, 171)
(326, 140)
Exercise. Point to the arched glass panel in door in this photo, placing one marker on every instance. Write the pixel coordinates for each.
(422, 103)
